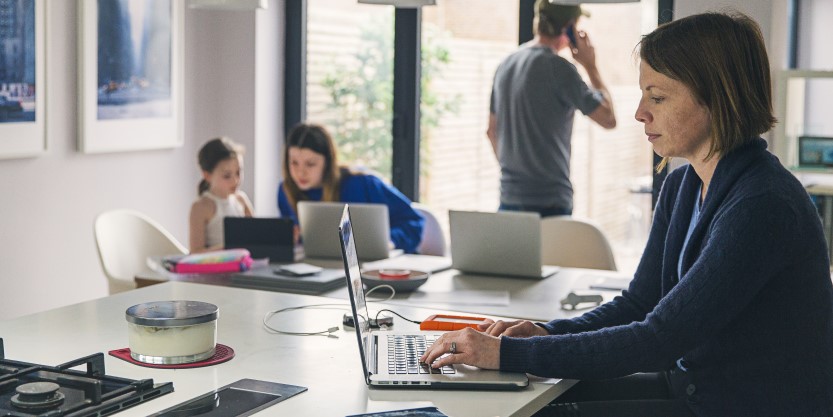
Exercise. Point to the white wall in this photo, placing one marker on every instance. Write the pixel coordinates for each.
(771, 15)
(816, 53)
(47, 251)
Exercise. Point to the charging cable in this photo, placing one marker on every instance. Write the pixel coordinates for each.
(330, 332)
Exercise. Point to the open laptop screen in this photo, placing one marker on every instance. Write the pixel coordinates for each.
(354, 285)
(317, 220)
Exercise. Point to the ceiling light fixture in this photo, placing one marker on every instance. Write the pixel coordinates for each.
(228, 4)
(402, 4)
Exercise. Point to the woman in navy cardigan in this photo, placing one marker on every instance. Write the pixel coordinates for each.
(730, 311)
(311, 172)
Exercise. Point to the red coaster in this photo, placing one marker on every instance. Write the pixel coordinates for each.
(222, 353)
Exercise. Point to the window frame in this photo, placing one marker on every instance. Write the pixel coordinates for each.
(406, 84)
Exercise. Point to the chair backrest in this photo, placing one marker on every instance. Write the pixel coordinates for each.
(125, 239)
(433, 240)
(570, 242)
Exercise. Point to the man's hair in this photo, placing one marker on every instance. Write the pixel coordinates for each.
(722, 59)
(551, 18)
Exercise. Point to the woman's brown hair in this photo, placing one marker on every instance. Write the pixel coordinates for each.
(315, 138)
(722, 59)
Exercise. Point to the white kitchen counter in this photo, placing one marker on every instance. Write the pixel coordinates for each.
(68, 333)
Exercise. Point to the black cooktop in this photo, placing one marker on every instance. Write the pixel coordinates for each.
(28, 389)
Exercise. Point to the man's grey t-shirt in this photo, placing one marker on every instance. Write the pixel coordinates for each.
(534, 96)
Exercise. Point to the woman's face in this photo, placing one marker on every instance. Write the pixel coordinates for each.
(306, 167)
(675, 122)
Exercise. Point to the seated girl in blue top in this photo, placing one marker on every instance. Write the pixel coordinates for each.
(311, 172)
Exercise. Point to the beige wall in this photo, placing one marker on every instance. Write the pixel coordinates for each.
(47, 252)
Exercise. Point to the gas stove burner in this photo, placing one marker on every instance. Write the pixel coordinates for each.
(80, 387)
(37, 396)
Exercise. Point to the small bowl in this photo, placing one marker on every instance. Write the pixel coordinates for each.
(402, 280)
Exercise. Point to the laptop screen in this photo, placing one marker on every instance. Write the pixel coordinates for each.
(317, 220)
(354, 284)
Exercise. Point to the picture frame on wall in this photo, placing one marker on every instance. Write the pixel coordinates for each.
(22, 79)
(130, 75)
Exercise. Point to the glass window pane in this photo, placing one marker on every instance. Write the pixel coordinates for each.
(463, 42)
(350, 79)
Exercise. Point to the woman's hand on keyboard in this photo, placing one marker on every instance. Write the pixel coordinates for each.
(467, 346)
(516, 328)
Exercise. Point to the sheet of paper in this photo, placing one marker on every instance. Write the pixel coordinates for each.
(462, 297)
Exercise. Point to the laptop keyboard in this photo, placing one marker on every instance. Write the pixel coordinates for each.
(404, 352)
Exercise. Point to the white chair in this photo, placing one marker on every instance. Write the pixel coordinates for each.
(125, 239)
(570, 242)
(433, 239)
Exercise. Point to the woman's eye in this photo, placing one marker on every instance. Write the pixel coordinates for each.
(657, 100)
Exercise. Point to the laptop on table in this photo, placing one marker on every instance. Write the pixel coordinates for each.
(379, 349)
(319, 219)
(263, 237)
(503, 244)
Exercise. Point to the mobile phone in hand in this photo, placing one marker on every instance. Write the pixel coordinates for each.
(571, 35)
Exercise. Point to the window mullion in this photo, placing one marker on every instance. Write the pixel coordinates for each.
(407, 62)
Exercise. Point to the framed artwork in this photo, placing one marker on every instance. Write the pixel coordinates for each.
(130, 75)
(22, 80)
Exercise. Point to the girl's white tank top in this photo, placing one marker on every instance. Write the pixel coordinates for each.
(228, 207)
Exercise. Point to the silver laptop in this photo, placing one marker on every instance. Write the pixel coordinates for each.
(504, 243)
(391, 359)
(318, 221)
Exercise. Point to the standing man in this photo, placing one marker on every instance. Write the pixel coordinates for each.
(534, 96)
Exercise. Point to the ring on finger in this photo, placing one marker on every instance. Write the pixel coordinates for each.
(453, 349)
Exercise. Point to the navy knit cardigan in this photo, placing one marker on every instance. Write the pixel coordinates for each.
(752, 314)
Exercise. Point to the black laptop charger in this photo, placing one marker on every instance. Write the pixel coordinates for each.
(386, 321)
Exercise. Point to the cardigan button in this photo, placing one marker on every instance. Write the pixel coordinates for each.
(690, 389)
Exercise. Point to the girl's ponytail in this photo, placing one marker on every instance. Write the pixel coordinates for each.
(202, 187)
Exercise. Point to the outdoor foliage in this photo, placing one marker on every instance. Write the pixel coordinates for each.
(361, 98)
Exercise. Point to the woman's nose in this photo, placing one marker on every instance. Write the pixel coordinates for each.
(642, 115)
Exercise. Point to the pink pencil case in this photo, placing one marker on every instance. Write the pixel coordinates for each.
(215, 262)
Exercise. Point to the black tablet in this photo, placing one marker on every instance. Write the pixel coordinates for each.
(264, 237)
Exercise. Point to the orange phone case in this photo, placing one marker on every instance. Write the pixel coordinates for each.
(432, 324)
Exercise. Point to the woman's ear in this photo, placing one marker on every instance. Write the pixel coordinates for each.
(206, 176)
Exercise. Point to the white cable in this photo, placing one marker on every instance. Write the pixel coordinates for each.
(390, 297)
(329, 306)
(329, 332)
